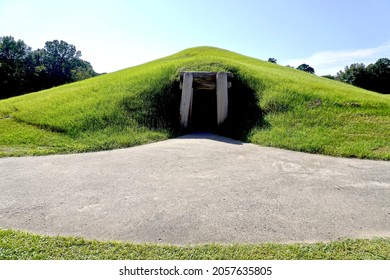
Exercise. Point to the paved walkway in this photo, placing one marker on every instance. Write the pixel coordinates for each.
(198, 188)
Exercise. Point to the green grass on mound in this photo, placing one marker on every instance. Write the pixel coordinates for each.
(16, 245)
(271, 105)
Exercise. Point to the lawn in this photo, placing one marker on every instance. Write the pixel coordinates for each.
(274, 106)
(17, 245)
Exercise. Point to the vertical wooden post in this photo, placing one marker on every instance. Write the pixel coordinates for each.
(186, 99)
(222, 97)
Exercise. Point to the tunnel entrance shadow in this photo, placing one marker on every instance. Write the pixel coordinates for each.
(204, 112)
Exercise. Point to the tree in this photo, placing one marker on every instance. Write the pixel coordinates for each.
(375, 77)
(59, 58)
(379, 73)
(23, 70)
(355, 74)
(306, 68)
(12, 67)
(37, 73)
(82, 70)
(272, 60)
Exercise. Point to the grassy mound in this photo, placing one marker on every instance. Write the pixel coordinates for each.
(270, 105)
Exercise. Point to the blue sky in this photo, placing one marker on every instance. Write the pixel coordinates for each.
(116, 34)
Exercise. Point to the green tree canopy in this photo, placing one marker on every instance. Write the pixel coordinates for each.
(60, 58)
(354, 74)
(306, 68)
(13, 54)
(379, 73)
(375, 77)
(23, 70)
(272, 60)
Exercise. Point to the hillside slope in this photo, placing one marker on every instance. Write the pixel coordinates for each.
(273, 106)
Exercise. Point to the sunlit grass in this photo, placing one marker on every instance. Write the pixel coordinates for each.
(301, 111)
(16, 245)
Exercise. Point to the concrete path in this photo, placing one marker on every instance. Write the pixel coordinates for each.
(198, 188)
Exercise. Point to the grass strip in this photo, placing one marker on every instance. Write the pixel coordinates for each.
(18, 245)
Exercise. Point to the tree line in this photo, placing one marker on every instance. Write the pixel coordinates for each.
(24, 70)
(375, 76)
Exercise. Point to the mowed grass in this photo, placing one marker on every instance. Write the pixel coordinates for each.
(17, 245)
(134, 106)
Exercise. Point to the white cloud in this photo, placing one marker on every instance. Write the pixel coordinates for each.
(330, 62)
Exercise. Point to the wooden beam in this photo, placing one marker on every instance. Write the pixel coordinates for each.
(186, 99)
(222, 97)
(205, 80)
